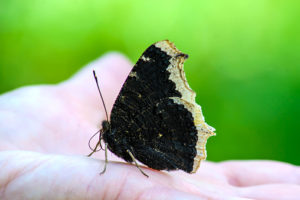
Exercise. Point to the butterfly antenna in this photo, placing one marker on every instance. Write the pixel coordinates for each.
(96, 79)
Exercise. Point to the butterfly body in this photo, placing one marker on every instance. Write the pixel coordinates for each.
(155, 117)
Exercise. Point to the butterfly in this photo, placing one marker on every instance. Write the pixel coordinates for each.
(155, 118)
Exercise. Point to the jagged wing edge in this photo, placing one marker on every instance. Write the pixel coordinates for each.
(177, 76)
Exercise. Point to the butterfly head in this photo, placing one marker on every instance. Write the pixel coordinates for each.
(105, 126)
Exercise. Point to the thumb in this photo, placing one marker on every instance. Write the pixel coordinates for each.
(112, 70)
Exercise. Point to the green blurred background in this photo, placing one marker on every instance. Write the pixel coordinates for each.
(244, 58)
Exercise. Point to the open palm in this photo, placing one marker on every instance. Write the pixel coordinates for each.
(44, 131)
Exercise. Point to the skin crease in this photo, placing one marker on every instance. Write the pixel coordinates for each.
(44, 131)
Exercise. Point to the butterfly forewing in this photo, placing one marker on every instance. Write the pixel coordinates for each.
(155, 115)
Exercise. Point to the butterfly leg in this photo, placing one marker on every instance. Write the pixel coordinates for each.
(137, 165)
(94, 150)
(104, 169)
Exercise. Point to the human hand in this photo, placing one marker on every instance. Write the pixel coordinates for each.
(44, 131)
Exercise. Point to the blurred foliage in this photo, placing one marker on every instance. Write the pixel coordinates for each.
(244, 58)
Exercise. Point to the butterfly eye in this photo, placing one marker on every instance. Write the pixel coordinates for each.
(105, 125)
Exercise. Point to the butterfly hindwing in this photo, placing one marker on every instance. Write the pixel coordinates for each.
(169, 140)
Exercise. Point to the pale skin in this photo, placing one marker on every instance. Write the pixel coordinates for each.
(44, 131)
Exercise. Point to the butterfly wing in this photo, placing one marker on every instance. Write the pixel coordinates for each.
(155, 115)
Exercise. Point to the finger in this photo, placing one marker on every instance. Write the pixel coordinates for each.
(112, 69)
(81, 92)
(68, 112)
(248, 173)
(29, 175)
(208, 172)
(271, 191)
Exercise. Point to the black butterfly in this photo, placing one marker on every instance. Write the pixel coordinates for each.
(155, 118)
